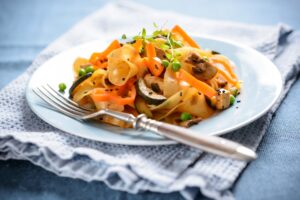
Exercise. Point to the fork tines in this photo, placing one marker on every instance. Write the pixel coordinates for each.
(60, 102)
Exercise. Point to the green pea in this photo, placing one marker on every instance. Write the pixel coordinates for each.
(89, 69)
(185, 116)
(165, 63)
(232, 99)
(176, 66)
(82, 72)
(62, 87)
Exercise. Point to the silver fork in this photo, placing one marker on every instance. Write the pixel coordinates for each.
(212, 144)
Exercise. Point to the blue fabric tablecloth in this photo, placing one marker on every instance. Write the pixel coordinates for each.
(27, 27)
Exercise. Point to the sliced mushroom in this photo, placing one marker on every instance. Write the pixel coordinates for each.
(190, 122)
(221, 82)
(160, 53)
(222, 100)
(201, 69)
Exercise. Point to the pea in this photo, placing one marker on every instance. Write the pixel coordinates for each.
(89, 69)
(176, 66)
(232, 99)
(82, 72)
(185, 116)
(62, 87)
(165, 63)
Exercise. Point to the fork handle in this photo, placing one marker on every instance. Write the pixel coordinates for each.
(212, 144)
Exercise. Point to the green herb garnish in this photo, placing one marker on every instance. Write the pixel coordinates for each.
(165, 47)
(144, 33)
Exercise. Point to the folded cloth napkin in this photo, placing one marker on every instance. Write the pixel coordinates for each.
(134, 168)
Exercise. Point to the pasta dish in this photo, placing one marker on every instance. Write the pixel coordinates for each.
(165, 75)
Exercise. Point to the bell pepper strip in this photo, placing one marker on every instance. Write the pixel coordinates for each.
(102, 94)
(153, 65)
(178, 30)
(122, 90)
(222, 60)
(226, 76)
(100, 59)
(199, 85)
(138, 45)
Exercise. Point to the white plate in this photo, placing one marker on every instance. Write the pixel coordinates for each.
(262, 86)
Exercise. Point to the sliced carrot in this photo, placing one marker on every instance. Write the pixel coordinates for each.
(199, 85)
(101, 94)
(153, 65)
(100, 59)
(138, 45)
(222, 60)
(150, 50)
(178, 30)
(122, 90)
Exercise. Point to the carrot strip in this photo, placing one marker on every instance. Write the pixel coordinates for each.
(99, 59)
(222, 60)
(154, 66)
(99, 95)
(138, 45)
(178, 30)
(199, 85)
(150, 49)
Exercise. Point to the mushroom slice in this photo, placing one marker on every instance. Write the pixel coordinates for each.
(221, 82)
(160, 53)
(190, 122)
(201, 69)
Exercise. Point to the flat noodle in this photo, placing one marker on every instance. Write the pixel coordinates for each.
(78, 63)
(115, 122)
(171, 84)
(104, 104)
(228, 65)
(121, 65)
(195, 104)
(213, 83)
(84, 89)
(165, 113)
(109, 119)
(171, 101)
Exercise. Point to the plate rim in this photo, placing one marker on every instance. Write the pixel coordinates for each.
(168, 141)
